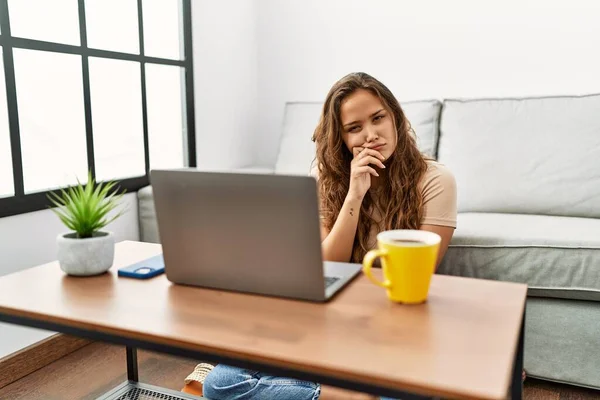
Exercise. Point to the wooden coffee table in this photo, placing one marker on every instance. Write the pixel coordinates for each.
(465, 342)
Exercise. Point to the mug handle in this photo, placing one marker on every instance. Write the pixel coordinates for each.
(368, 263)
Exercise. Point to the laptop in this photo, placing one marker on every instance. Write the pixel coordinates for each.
(252, 233)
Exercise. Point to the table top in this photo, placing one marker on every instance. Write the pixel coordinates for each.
(460, 343)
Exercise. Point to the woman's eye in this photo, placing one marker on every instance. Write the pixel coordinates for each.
(377, 118)
(354, 129)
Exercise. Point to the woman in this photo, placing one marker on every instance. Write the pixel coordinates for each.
(371, 177)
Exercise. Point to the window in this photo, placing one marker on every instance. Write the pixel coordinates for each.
(100, 85)
(29, 19)
(115, 89)
(165, 110)
(162, 29)
(113, 25)
(51, 119)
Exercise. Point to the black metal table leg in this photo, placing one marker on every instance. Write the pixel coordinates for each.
(516, 391)
(132, 367)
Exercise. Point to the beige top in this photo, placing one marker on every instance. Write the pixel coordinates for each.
(439, 198)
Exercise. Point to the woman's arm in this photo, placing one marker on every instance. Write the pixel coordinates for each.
(445, 233)
(337, 244)
(440, 205)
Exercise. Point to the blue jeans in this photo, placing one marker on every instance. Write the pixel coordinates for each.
(232, 383)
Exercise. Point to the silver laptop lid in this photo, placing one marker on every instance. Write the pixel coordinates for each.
(250, 233)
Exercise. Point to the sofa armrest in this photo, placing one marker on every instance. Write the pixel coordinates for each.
(147, 216)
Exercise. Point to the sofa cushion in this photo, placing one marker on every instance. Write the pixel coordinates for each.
(297, 150)
(524, 156)
(556, 256)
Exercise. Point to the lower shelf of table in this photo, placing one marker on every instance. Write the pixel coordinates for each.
(140, 391)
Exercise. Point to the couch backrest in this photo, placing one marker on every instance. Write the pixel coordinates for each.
(530, 156)
(297, 150)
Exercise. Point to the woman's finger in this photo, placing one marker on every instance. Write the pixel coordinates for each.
(371, 152)
(369, 160)
(356, 151)
(365, 170)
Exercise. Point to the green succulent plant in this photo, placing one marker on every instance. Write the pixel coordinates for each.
(84, 209)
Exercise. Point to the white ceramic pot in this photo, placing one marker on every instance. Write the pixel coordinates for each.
(85, 257)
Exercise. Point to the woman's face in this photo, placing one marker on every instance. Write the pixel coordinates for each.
(366, 123)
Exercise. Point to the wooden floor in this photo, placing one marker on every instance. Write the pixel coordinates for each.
(97, 368)
(94, 370)
(543, 390)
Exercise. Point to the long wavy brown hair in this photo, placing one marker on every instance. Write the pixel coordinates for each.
(399, 198)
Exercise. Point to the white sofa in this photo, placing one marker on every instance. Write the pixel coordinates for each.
(528, 178)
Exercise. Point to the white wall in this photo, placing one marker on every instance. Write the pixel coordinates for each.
(422, 49)
(28, 240)
(225, 81)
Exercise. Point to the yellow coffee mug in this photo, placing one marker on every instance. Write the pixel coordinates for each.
(408, 259)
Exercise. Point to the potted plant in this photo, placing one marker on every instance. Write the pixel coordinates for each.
(86, 250)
